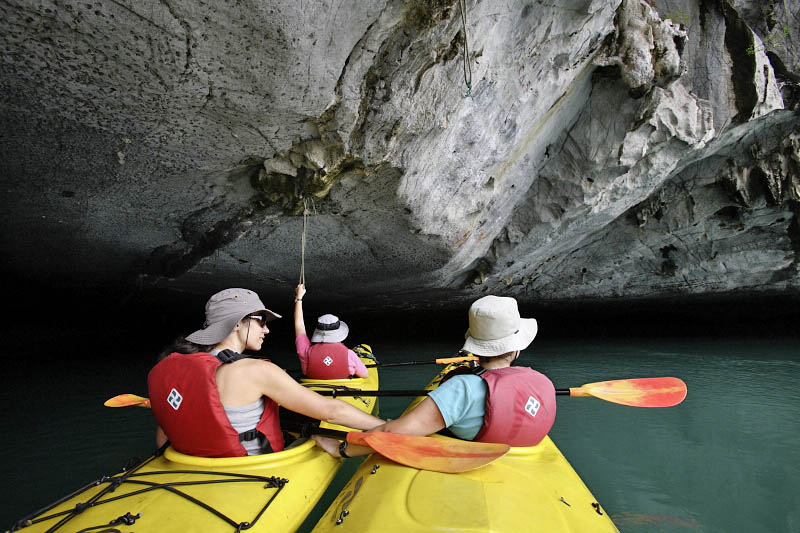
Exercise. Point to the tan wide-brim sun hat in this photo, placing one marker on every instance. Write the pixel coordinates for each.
(224, 310)
(495, 327)
(330, 329)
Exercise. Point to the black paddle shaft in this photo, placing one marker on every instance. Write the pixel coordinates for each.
(412, 392)
(308, 429)
(296, 371)
(353, 392)
(406, 363)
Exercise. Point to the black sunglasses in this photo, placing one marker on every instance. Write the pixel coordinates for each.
(262, 320)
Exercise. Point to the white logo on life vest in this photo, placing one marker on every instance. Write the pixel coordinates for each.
(174, 399)
(532, 407)
(328, 361)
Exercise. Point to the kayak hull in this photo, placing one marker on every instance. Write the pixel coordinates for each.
(530, 489)
(173, 492)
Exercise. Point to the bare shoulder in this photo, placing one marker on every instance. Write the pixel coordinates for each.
(246, 380)
(256, 365)
(258, 369)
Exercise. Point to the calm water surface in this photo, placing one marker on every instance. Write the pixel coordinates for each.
(725, 460)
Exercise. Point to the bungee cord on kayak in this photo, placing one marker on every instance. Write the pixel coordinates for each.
(136, 476)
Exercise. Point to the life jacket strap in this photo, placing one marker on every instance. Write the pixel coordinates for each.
(229, 356)
(472, 368)
(256, 434)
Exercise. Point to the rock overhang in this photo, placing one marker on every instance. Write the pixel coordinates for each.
(178, 155)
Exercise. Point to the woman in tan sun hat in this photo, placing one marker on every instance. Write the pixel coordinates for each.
(210, 400)
(497, 402)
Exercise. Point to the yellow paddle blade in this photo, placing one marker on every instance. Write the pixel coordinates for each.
(448, 360)
(126, 400)
(429, 453)
(640, 392)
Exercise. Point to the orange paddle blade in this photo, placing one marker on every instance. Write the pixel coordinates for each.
(126, 400)
(429, 453)
(640, 392)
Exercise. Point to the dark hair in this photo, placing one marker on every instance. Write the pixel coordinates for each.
(483, 359)
(181, 345)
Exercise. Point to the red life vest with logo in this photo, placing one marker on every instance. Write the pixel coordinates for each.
(520, 406)
(185, 401)
(327, 360)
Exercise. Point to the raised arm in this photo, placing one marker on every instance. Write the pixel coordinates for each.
(299, 324)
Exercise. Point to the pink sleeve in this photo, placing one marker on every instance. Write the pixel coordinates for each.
(302, 344)
(355, 366)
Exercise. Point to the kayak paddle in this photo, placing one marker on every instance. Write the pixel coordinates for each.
(424, 453)
(127, 400)
(441, 361)
(637, 392)
(640, 392)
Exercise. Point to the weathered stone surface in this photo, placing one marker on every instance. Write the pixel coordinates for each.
(605, 150)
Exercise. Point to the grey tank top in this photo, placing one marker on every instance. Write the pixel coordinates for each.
(244, 418)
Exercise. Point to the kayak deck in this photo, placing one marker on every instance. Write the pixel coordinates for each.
(528, 489)
(173, 492)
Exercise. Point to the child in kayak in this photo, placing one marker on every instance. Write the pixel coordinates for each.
(327, 358)
(494, 403)
(210, 400)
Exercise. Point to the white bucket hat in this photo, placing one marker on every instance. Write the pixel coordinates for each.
(224, 310)
(330, 329)
(495, 327)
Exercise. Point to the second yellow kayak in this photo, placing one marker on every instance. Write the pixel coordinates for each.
(531, 489)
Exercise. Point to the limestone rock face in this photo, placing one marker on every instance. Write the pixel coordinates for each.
(602, 149)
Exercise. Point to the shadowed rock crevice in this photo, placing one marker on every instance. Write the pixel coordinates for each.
(738, 40)
(790, 82)
(646, 47)
(794, 230)
(171, 260)
(307, 171)
(424, 14)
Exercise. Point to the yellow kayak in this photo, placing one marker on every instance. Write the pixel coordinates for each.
(173, 492)
(529, 489)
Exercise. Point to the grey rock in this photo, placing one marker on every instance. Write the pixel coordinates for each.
(619, 149)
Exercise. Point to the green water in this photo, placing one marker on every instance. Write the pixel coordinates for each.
(725, 460)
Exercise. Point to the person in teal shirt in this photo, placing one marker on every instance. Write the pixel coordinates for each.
(496, 334)
(461, 401)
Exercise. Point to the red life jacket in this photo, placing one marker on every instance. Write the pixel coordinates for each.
(185, 401)
(327, 360)
(520, 406)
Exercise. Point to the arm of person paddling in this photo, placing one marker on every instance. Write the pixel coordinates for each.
(425, 419)
(280, 387)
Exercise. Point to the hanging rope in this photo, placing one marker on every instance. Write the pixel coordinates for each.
(306, 212)
(467, 66)
(303, 244)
